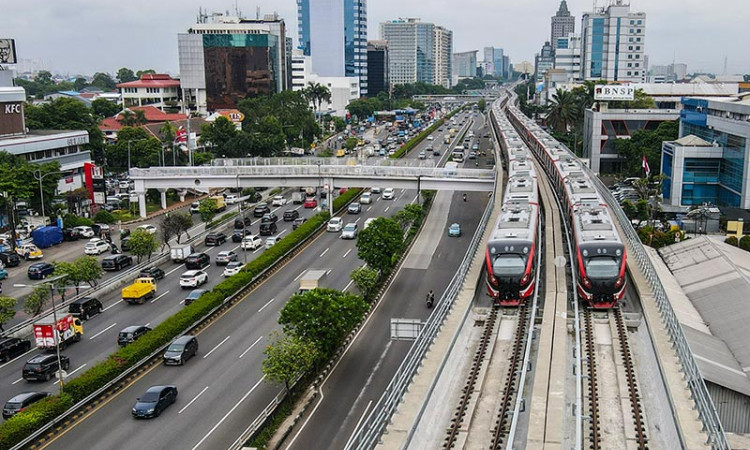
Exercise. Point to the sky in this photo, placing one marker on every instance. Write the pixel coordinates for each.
(87, 36)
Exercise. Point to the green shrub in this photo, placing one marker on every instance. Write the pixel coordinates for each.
(745, 243)
(732, 240)
(34, 417)
(104, 217)
(71, 220)
(222, 218)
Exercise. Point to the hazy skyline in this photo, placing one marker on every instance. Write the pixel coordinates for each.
(83, 36)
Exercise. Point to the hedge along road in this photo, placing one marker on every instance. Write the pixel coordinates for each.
(221, 390)
(100, 332)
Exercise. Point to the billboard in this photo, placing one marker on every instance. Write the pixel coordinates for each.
(8, 51)
(614, 92)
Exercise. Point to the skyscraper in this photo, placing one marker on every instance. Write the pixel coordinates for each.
(500, 62)
(613, 44)
(377, 67)
(562, 24)
(465, 64)
(418, 51)
(334, 34)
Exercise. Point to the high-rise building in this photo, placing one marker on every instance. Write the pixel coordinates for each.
(418, 51)
(613, 44)
(334, 34)
(562, 24)
(568, 56)
(377, 67)
(544, 60)
(225, 59)
(465, 64)
(499, 60)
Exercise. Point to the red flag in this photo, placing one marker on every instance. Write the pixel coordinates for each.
(181, 135)
(645, 167)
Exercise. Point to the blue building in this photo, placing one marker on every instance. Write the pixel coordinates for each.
(710, 162)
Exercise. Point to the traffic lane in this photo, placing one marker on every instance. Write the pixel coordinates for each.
(368, 366)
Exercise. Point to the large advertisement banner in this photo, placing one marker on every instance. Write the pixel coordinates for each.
(614, 93)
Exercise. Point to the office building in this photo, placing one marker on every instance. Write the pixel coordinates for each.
(613, 44)
(377, 68)
(224, 59)
(418, 51)
(343, 89)
(465, 64)
(562, 24)
(499, 61)
(334, 34)
(568, 56)
(709, 163)
(544, 61)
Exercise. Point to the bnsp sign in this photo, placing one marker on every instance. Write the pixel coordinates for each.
(614, 93)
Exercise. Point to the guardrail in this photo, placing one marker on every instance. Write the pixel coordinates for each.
(703, 402)
(368, 434)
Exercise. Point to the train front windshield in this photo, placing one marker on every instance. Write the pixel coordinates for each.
(508, 265)
(603, 267)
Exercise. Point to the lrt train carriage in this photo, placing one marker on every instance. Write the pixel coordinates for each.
(598, 250)
(511, 251)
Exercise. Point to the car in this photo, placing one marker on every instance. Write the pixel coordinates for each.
(268, 228)
(237, 235)
(435, 152)
(335, 224)
(130, 334)
(152, 272)
(180, 350)
(148, 228)
(101, 228)
(12, 347)
(365, 198)
(368, 222)
(278, 200)
(225, 257)
(231, 199)
(193, 278)
(40, 271)
(194, 295)
(454, 230)
(475, 147)
(195, 208)
(154, 401)
(214, 239)
(251, 242)
(197, 261)
(85, 307)
(388, 194)
(10, 259)
(260, 209)
(243, 222)
(96, 246)
(297, 222)
(29, 251)
(232, 268)
(269, 218)
(271, 241)
(472, 155)
(70, 234)
(117, 262)
(354, 208)
(290, 215)
(311, 202)
(84, 231)
(429, 138)
(422, 155)
(350, 231)
(44, 366)
(22, 401)
(375, 190)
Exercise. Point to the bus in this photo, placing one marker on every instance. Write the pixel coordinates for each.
(458, 154)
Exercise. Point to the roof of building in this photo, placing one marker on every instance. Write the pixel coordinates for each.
(692, 141)
(152, 80)
(153, 115)
(716, 279)
(688, 89)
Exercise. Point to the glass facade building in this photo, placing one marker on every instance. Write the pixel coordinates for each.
(614, 43)
(418, 51)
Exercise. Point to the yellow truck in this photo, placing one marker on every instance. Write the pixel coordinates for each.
(141, 290)
(452, 132)
(340, 153)
(221, 203)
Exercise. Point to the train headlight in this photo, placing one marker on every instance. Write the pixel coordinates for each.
(586, 282)
(620, 281)
(525, 279)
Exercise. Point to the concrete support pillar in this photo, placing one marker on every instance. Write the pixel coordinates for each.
(163, 195)
(142, 203)
(182, 194)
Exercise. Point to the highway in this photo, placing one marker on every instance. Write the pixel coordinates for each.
(361, 376)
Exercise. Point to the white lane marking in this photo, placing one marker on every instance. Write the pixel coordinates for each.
(230, 412)
(251, 347)
(402, 190)
(281, 232)
(217, 346)
(147, 324)
(174, 270)
(321, 255)
(300, 274)
(162, 295)
(103, 331)
(71, 373)
(295, 209)
(328, 272)
(193, 400)
(347, 253)
(19, 356)
(18, 380)
(113, 304)
(368, 208)
(416, 197)
(348, 285)
(386, 209)
(267, 303)
(359, 422)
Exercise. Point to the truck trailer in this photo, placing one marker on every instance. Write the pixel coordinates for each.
(47, 333)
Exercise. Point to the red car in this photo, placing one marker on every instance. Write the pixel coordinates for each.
(342, 190)
(311, 202)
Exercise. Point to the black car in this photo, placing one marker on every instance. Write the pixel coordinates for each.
(290, 215)
(131, 334)
(194, 295)
(125, 244)
(10, 259)
(243, 222)
(297, 222)
(260, 209)
(180, 350)
(117, 262)
(12, 347)
(44, 366)
(21, 402)
(269, 218)
(197, 261)
(268, 228)
(215, 239)
(85, 307)
(153, 272)
(239, 234)
(70, 234)
(154, 401)
(40, 270)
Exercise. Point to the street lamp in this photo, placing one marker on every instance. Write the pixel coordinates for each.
(39, 176)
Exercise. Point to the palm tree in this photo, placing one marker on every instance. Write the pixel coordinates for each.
(563, 111)
(127, 118)
(316, 94)
(140, 117)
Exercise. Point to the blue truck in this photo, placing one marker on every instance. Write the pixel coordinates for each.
(47, 236)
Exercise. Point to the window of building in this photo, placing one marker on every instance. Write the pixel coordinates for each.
(630, 47)
(630, 64)
(637, 47)
(640, 22)
(632, 31)
(629, 73)
(632, 22)
(630, 56)
(638, 31)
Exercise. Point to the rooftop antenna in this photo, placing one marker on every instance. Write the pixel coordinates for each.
(725, 66)
(257, 12)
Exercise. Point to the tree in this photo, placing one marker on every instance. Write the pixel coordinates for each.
(316, 94)
(18, 180)
(127, 118)
(125, 75)
(79, 84)
(140, 117)
(103, 81)
(7, 310)
(143, 244)
(145, 149)
(482, 105)
(323, 317)
(183, 223)
(207, 209)
(104, 217)
(36, 300)
(85, 269)
(645, 142)
(380, 244)
(287, 358)
(366, 280)
(351, 143)
(168, 132)
(143, 72)
(216, 135)
(103, 108)
(563, 111)
(412, 213)
(364, 107)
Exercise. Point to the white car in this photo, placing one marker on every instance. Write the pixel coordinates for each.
(149, 228)
(96, 247)
(231, 199)
(350, 231)
(278, 200)
(429, 138)
(388, 194)
(368, 222)
(84, 231)
(193, 278)
(335, 224)
(251, 242)
(365, 198)
(271, 241)
(232, 268)
(375, 190)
